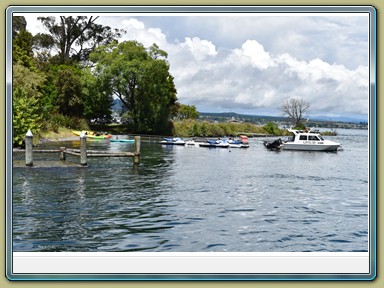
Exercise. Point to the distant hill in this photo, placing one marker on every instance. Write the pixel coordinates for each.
(263, 118)
(340, 119)
(225, 116)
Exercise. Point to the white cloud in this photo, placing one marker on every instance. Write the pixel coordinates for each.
(199, 48)
(133, 24)
(253, 52)
(136, 30)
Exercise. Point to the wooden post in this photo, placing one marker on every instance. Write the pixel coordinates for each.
(62, 153)
(136, 157)
(29, 148)
(83, 149)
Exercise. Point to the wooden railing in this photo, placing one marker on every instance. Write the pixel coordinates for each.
(83, 153)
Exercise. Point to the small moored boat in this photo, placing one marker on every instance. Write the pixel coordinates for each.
(215, 144)
(172, 141)
(93, 135)
(123, 140)
(239, 143)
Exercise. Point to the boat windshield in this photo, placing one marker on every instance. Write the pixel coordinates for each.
(303, 137)
(314, 137)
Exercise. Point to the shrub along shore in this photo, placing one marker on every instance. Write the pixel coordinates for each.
(194, 128)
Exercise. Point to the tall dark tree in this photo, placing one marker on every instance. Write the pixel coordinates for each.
(296, 110)
(97, 102)
(75, 37)
(140, 78)
(22, 43)
(69, 91)
(18, 24)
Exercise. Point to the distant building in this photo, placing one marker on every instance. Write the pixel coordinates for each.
(233, 120)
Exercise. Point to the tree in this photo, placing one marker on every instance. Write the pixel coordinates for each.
(187, 112)
(75, 37)
(69, 91)
(26, 84)
(22, 43)
(97, 103)
(295, 110)
(140, 78)
(26, 104)
(18, 24)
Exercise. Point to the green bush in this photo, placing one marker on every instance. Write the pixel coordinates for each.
(271, 128)
(25, 116)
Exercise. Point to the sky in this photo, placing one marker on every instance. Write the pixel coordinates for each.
(252, 63)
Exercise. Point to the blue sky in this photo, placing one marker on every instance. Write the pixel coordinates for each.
(252, 63)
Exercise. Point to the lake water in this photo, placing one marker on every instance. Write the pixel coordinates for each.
(192, 199)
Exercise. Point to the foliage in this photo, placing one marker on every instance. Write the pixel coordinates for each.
(18, 24)
(194, 128)
(26, 108)
(271, 128)
(73, 91)
(22, 50)
(69, 91)
(97, 103)
(296, 110)
(300, 126)
(70, 31)
(140, 78)
(186, 112)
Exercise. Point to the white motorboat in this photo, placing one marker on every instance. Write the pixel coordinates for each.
(191, 142)
(215, 144)
(237, 144)
(309, 141)
(172, 141)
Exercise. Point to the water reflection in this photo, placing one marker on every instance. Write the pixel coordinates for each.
(81, 184)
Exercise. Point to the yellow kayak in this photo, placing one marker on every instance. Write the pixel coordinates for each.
(93, 135)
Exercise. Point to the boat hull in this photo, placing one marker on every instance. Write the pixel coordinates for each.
(172, 143)
(123, 140)
(310, 147)
(210, 145)
(238, 146)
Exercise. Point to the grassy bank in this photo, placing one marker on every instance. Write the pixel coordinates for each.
(194, 128)
(61, 133)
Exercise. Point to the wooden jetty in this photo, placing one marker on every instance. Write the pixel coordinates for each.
(83, 153)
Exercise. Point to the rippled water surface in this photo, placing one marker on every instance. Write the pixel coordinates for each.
(191, 199)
